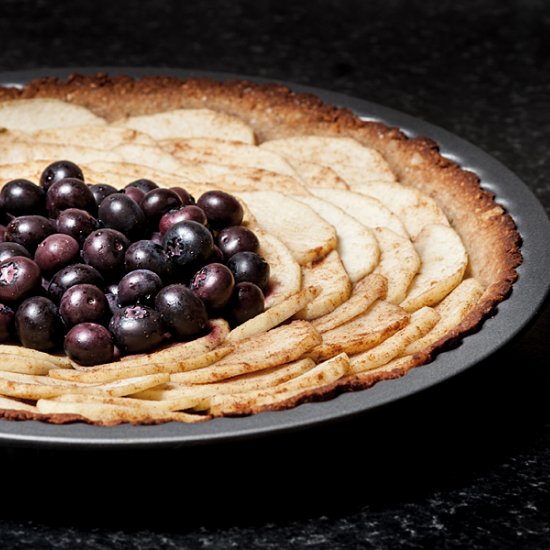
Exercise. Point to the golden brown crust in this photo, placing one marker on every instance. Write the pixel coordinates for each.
(9, 414)
(274, 111)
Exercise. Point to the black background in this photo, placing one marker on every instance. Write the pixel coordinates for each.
(464, 465)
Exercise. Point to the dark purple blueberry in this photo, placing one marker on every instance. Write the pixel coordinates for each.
(44, 284)
(19, 278)
(135, 193)
(112, 288)
(7, 327)
(69, 193)
(221, 209)
(182, 311)
(38, 324)
(20, 197)
(189, 244)
(237, 239)
(138, 287)
(184, 195)
(71, 275)
(76, 223)
(102, 190)
(56, 252)
(247, 302)
(59, 170)
(213, 284)
(104, 249)
(120, 212)
(82, 304)
(156, 237)
(249, 267)
(144, 185)
(216, 257)
(157, 202)
(89, 344)
(29, 231)
(5, 218)
(9, 250)
(137, 329)
(185, 213)
(112, 300)
(148, 255)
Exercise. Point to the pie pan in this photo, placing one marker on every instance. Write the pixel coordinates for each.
(526, 299)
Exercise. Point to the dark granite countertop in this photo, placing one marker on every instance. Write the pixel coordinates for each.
(465, 465)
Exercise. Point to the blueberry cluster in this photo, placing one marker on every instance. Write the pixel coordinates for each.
(107, 272)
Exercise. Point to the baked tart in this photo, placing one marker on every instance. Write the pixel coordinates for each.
(178, 250)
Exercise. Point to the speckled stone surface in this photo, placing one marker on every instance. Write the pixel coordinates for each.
(464, 465)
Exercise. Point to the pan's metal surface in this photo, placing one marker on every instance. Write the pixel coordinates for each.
(526, 300)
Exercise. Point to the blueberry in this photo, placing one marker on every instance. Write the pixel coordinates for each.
(146, 254)
(83, 303)
(89, 344)
(135, 193)
(55, 252)
(184, 195)
(185, 213)
(7, 327)
(38, 324)
(29, 231)
(59, 170)
(237, 238)
(9, 250)
(189, 244)
(118, 211)
(19, 278)
(247, 302)
(144, 185)
(157, 202)
(69, 193)
(138, 287)
(20, 196)
(71, 275)
(249, 267)
(221, 209)
(77, 223)
(183, 313)
(105, 249)
(213, 284)
(101, 190)
(137, 329)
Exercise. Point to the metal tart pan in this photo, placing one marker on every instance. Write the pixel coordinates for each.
(514, 314)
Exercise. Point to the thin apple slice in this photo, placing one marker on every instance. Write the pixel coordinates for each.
(452, 309)
(330, 277)
(421, 322)
(362, 332)
(414, 208)
(366, 210)
(357, 245)
(399, 263)
(443, 263)
(233, 153)
(285, 274)
(40, 113)
(363, 295)
(304, 232)
(190, 123)
(344, 155)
